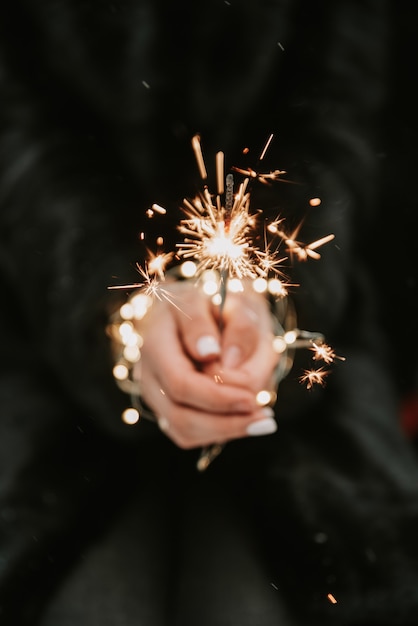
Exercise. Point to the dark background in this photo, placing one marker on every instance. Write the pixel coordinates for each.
(393, 251)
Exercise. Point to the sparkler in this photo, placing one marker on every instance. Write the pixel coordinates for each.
(222, 234)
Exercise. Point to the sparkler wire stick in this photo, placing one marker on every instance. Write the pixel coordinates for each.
(209, 453)
(229, 198)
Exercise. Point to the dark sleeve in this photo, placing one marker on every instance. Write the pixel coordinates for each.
(340, 499)
(62, 242)
(63, 232)
(338, 86)
(53, 486)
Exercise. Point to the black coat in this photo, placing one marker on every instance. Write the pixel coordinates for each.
(104, 523)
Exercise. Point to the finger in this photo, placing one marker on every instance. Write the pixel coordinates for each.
(197, 327)
(164, 363)
(186, 386)
(204, 430)
(189, 428)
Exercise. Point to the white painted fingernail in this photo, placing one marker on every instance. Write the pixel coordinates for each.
(164, 424)
(207, 344)
(266, 426)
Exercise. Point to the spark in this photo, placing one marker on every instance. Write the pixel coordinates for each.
(262, 177)
(266, 147)
(159, 209)
(265, 177)
(273, 226)
(269, 262)
(324, 352)
(151, 286)
(314, 377)
(315, 201)
(157, 263)
(331, 598)
(220, 172)
(199, 156)
(302, 250)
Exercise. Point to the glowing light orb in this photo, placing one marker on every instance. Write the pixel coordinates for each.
(130, 416)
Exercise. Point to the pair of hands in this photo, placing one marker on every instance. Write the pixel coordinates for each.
(201, 382)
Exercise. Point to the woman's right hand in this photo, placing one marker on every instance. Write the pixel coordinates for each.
(200, 383)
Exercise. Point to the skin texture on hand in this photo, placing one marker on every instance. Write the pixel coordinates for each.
(200, 381)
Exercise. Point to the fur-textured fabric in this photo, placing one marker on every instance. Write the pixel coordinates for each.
(103, 523)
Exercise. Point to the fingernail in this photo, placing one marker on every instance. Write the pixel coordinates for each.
(266, 426)
(232, 357)
(164, 424)
(207, 344)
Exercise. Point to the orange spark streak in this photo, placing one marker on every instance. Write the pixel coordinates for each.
(266, 147)
(199, 156)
